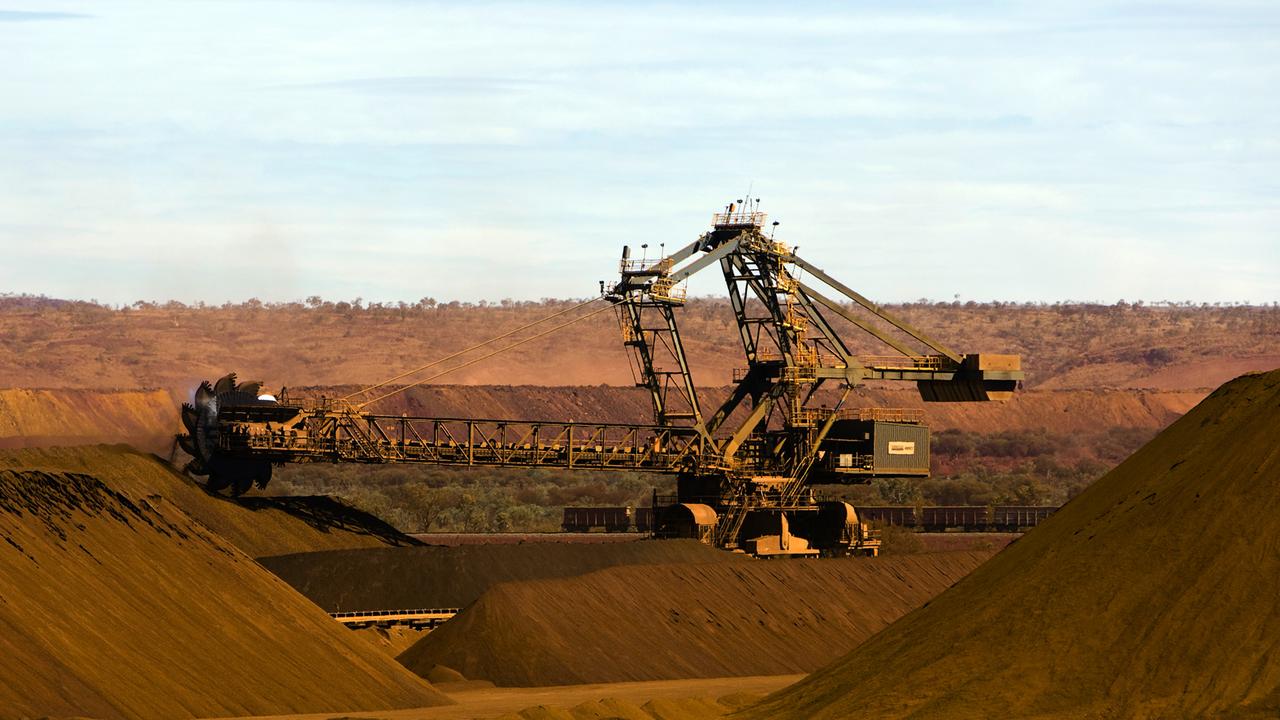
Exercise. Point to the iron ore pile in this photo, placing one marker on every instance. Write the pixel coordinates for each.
(550, 613)
(1153, 594)
(115, 605)
(435, 576)
(672, 621)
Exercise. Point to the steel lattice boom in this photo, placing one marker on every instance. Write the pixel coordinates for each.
(745, 468)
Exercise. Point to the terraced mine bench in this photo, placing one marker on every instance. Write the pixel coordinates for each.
(416, 619)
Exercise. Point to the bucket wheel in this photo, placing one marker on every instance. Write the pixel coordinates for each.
(200, 417)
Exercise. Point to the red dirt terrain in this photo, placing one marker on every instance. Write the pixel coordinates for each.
(118, 605)
(653, 622)
(1062, 411)
(1151, 594)
(58, 344)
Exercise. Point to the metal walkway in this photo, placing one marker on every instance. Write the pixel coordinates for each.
(416, 619)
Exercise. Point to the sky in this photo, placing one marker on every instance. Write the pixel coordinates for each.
(395, 150)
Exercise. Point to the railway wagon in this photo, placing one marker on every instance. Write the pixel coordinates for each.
(644, 519)
(1011, 518)
(586, 519)
(965, 518)
(969, 518)
(902, 516)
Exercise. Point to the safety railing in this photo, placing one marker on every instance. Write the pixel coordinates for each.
(800, 373)
(656, 266)
(760, 244)
(323, 404)
(457, 441)
(663, 289)
(394, 613)
(900, 415)
(905, 362)
(734, 219)
(809, 417)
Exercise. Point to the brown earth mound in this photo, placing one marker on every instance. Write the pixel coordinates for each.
(437, 577)
(256, 525)
(1204, 372)
(619, 709)
(37, 418)
(120, 607)
(1056, 410)
(1152, 594)
(392, 640)
(442, 674)
(683, 621)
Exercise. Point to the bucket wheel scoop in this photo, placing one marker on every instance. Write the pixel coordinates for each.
(202, 419)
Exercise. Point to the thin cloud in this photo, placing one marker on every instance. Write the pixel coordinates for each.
(35, 16)
(420, 85)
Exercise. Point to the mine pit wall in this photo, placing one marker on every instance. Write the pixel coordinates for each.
(148, 419)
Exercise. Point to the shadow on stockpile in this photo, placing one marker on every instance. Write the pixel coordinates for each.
(326, 514)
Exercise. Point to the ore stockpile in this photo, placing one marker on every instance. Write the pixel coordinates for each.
(1151, 594)
(670, 621)
(119, 604)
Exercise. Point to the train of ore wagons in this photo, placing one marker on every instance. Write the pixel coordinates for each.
(930, 518)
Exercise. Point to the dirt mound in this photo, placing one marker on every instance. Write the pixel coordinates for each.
(391, 641)
(1058, 410)
(1152, 594)
(952, 541)
(442, 674)
(122, 607)
(36, 418)
(683, 621)
(619, 709)
(429, 577)
(256, 525)
(1207, 372)
(1065, 411)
